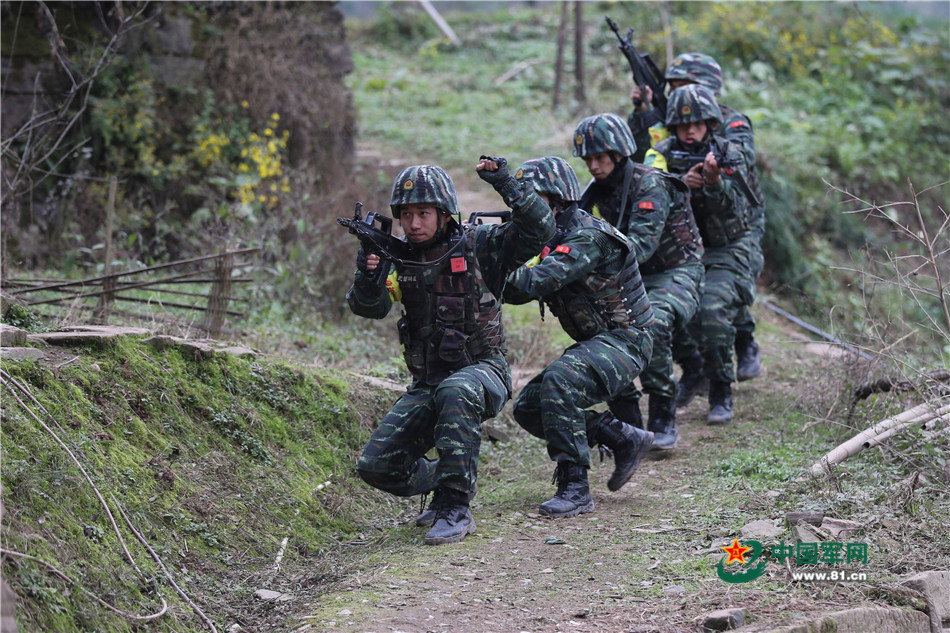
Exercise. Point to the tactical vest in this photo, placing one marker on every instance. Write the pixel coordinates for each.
(679, 241)
(612, 295)
(733, 120)
(716, 229)
(451, 318)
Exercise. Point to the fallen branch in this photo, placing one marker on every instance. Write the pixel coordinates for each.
(511, 72)
(882, 385)
(924, 415)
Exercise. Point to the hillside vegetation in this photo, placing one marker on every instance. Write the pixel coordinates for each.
(847, 101)
(237, 471)
(215, 461)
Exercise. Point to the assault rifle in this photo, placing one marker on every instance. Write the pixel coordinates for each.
(476, 218)
(681, 161)
(377, 241)
(645, 71)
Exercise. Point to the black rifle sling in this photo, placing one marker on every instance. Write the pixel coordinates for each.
(627, 177)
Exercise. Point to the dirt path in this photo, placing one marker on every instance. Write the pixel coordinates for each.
(644, 561)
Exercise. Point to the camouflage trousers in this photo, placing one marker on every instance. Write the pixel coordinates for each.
(745, 322)
(447, 416)
(729, 286)
(553, 405)
(674, 295)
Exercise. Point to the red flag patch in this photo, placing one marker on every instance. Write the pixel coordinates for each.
(458, 265)
(545, 251)
(646, 204)
(737, 124)
(562, 249)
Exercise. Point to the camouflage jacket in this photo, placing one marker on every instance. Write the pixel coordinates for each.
(658, 219)
(722, 213)
(451, 294)
(737, 129)
(589, 277)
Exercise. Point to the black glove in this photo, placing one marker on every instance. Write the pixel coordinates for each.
(497, 178)
(509, 188)
(365, 278)
(361, 261)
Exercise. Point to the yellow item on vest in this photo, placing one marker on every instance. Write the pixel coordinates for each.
(658, 132)
(534, 261)
(654, 158)
(596, 212)
(392, 285)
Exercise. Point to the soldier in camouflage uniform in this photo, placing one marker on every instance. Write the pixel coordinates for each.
(652, 209)
(724, 218)
(452, 334)
(588, 276)
(697, 68)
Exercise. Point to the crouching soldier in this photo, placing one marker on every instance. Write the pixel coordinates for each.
(652, 209)
(588, 276)
(450, 287)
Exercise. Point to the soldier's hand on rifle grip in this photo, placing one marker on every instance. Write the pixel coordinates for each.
(694, 177)
(366, 263)
(712, 174)
(640, 102)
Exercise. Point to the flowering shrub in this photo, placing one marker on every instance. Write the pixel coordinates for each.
(246, 165)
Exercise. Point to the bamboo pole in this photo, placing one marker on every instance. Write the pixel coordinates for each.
(441, 23)
(874, 436)
(133, 286)
(95, 280)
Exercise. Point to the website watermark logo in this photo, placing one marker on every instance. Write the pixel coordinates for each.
(746, 561)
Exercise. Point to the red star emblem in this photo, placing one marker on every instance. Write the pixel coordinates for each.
(736, 552)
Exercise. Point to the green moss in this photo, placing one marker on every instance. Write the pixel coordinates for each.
(213, 460)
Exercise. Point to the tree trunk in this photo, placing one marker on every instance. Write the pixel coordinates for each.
(579, 91)
(559, 62)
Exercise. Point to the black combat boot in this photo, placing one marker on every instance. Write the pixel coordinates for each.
(628, 411)
(628, 444)
(720, 403)
(748, 358)
(662, 423)
(453, 520)
(427, 516)
(573, 493)
(693, 381)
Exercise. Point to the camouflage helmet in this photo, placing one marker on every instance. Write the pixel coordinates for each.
(550, 175)
(603, 133)
(692, 102)
(696, 68)
(424, 184)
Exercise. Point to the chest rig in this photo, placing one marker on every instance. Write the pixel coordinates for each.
(605, 298)
(716, 229)
(451, 318)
